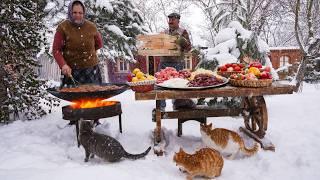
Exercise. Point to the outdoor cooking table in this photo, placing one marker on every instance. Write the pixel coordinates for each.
(253, 108)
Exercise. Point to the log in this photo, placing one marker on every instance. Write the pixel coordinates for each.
(264, 143)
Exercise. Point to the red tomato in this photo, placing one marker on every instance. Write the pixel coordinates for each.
(256, 64)
(237, 68)
(223, 68)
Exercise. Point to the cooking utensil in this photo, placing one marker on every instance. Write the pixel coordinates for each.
(75, 82)
(71, 96)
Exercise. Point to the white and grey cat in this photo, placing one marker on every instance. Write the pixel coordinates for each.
(227, 142)
(103, 146)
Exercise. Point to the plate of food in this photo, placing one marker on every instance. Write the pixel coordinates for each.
(200, 81)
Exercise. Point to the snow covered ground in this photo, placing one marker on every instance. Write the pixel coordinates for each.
(47, 149)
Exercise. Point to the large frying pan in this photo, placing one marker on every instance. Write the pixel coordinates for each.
(72, 96)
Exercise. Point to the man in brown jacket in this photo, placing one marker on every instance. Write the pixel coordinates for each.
(176, 62)
(74, 47)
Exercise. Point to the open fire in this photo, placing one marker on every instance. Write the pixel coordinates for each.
(91, 103)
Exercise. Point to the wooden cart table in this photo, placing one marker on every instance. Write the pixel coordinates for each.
(253, 107)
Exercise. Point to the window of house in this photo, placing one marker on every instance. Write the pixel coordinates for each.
(188, 62)
(123, 66)
(284, 61)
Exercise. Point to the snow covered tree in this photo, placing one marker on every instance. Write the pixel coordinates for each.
(307, 15)
(251, 14)
(21, 38)
(235, 43)
(154, 13)
(119, 22)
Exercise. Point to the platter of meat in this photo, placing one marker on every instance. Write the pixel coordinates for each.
(200, 81)
(88, 91)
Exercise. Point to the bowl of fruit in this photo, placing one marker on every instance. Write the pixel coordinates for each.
(254, 76)
(140, 82)
(228, 69)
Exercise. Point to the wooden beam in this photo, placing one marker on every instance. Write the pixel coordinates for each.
(200, 112)
(226, 91)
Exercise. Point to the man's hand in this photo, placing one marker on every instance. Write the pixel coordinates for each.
(181, 41)
(66, 70)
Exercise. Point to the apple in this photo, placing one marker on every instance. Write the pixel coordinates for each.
(129, 77)
(268, 69)
(264, 75)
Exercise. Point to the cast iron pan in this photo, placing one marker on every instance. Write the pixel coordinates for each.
(72, 96)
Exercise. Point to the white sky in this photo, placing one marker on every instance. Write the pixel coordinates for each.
(195, 20)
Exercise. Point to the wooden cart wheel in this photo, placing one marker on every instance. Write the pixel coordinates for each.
(255, 115)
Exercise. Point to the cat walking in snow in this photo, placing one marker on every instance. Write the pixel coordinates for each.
(103, 146)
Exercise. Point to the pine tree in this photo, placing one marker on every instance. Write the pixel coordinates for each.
(118, 26)
(21, 39)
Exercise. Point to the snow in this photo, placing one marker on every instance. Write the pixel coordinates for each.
(224, 35)
(116, 30)
(47, 149)
(226, 50)
(239, 28)
(106, 4)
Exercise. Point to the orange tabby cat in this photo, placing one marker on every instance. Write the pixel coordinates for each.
(227, 142)
(205, 162)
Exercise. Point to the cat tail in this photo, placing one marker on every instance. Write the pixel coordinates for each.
(247, 151)
(136, 156)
